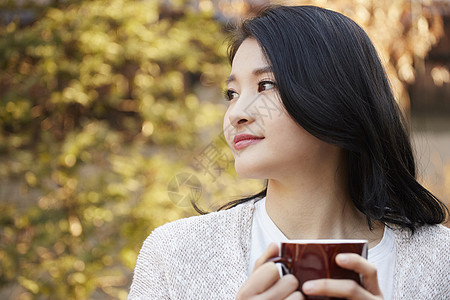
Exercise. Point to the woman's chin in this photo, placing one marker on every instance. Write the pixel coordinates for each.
(252, 171)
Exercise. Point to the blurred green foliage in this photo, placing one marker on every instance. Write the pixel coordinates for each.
(100, 106)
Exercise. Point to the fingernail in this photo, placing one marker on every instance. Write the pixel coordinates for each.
(308, 286)
(342, 258)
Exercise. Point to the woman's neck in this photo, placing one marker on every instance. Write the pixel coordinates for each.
(313, 208)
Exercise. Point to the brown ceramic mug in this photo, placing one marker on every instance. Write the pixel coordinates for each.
(316, 259)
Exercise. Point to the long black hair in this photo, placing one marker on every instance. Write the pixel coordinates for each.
(332, 83)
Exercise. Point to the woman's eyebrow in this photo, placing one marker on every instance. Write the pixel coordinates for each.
(266, 69)
(231, 79)
(259, 71)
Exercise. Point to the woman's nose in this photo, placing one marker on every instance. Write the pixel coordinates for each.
(241, 113)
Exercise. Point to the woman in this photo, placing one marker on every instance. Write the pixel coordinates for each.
(312, 112)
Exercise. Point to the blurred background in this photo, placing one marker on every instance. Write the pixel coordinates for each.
(110, 125)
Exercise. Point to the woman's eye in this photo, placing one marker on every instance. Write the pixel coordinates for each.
(230, 95)
(265, 85)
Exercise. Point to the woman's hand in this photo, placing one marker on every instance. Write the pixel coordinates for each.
(265, 281)
(347, 289)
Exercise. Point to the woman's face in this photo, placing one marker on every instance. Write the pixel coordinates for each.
(265, 141)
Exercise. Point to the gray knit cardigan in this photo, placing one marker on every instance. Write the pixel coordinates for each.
(206, 257)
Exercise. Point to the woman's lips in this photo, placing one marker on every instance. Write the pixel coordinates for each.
(242, 141)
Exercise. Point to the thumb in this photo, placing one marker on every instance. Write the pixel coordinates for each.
(271, 251)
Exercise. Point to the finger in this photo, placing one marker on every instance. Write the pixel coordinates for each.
(271, 251)
(348, 289)
(360, 265)
(261, 280)
(282, 288)
(295, 296)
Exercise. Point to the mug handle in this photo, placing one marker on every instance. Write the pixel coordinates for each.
(284, 262)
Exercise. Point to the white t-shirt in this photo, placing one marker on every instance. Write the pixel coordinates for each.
(264, 232)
